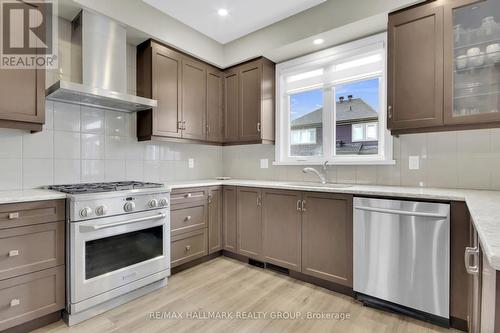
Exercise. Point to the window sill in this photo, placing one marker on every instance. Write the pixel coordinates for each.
(339, 162)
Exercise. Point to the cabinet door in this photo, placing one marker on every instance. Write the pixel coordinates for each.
(249, 222)
(415, 70)
(229, 218)
(327, 237)
(22, 94)
(22, 97)
(282, 228)
(167, 91)
(215, 105)
(193, 99)
(231, 105)
(250, 101)
(472, 62)
(214, 220)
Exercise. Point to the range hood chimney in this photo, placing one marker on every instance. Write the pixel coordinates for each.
(98, 67)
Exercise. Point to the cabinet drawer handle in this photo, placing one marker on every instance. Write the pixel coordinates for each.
(13, 216)
(471, 252)
(13, 253)
(189, 195)
(188, 247)
(188, 218)
(258, 127)
(303, 206)
(298, 205)
(389, 111)
(14, 302)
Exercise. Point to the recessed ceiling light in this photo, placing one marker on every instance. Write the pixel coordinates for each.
(222, 12)
(318, 41)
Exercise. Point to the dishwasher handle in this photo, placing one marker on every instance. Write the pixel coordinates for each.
(402, 212)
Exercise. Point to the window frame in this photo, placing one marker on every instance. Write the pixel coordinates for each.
(339, 54)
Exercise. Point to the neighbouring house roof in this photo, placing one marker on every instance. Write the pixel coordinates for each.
(348, 112)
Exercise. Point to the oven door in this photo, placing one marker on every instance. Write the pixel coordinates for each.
(107, 253)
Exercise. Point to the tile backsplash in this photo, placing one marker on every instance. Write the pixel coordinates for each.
(462, 159)
(80, 144)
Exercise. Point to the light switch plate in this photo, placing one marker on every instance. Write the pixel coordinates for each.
(264, 163)
(414, 162)
(191, 163)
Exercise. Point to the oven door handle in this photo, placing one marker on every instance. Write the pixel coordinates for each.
(87, 228)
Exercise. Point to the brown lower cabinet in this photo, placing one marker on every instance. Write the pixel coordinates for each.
(214, 219)
(32, 270)
(327, 237)
(249, 222)
(306, 232)
(229, 217)
(282, 228)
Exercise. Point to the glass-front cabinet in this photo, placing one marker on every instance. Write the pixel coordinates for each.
(472, 62)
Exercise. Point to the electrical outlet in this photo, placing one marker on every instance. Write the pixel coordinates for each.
(264, 163)
(191, 163)
(414, 162)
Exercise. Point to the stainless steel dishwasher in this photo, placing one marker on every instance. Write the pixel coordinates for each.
(402, 256)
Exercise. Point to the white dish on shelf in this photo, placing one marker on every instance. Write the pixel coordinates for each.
(477, 60)
(493, 53)
(461, 61)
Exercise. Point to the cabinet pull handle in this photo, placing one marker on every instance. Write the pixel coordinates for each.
(13, 253)
(258, 127)
(389, 111)
(13, 216)
(14, 302)
(298, 206)
(259, 201)
(471, 252)
(210, 198)
(189, 195)
(303, 206)
(188, 247)
(188, 218)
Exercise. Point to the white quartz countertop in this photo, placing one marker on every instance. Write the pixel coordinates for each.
(29, 195)
(484, 206)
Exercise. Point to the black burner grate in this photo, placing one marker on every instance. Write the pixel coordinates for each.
(102, 187)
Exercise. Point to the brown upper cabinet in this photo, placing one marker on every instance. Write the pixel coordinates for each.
(215, 105)
(200, 103)
(194, 99)
(22, 99)
(443, 70)
(249, 94)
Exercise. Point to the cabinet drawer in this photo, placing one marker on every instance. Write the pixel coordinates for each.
(30, 249)
(188, 195)
(29, 213)
(188, 247)
(187, 219)
(31, 296)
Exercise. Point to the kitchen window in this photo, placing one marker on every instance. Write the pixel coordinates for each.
(331, 106)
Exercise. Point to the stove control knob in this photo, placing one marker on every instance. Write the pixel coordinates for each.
(163, 202)
(85, 212)
(153, 203)
(101, 210)
(129, 206)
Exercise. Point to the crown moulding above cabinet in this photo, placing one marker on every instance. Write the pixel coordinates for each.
(198, 103)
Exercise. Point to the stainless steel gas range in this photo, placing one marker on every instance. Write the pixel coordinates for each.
(118, 244)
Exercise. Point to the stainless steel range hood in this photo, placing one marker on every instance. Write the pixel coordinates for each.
(98, 67)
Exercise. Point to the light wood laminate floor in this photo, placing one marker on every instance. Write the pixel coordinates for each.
(230, 286)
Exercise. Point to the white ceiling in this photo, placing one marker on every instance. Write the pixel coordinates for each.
(245, 16)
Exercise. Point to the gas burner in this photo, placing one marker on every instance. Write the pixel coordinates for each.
(102, 187)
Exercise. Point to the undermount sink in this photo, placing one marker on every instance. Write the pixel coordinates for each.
(313, 184)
